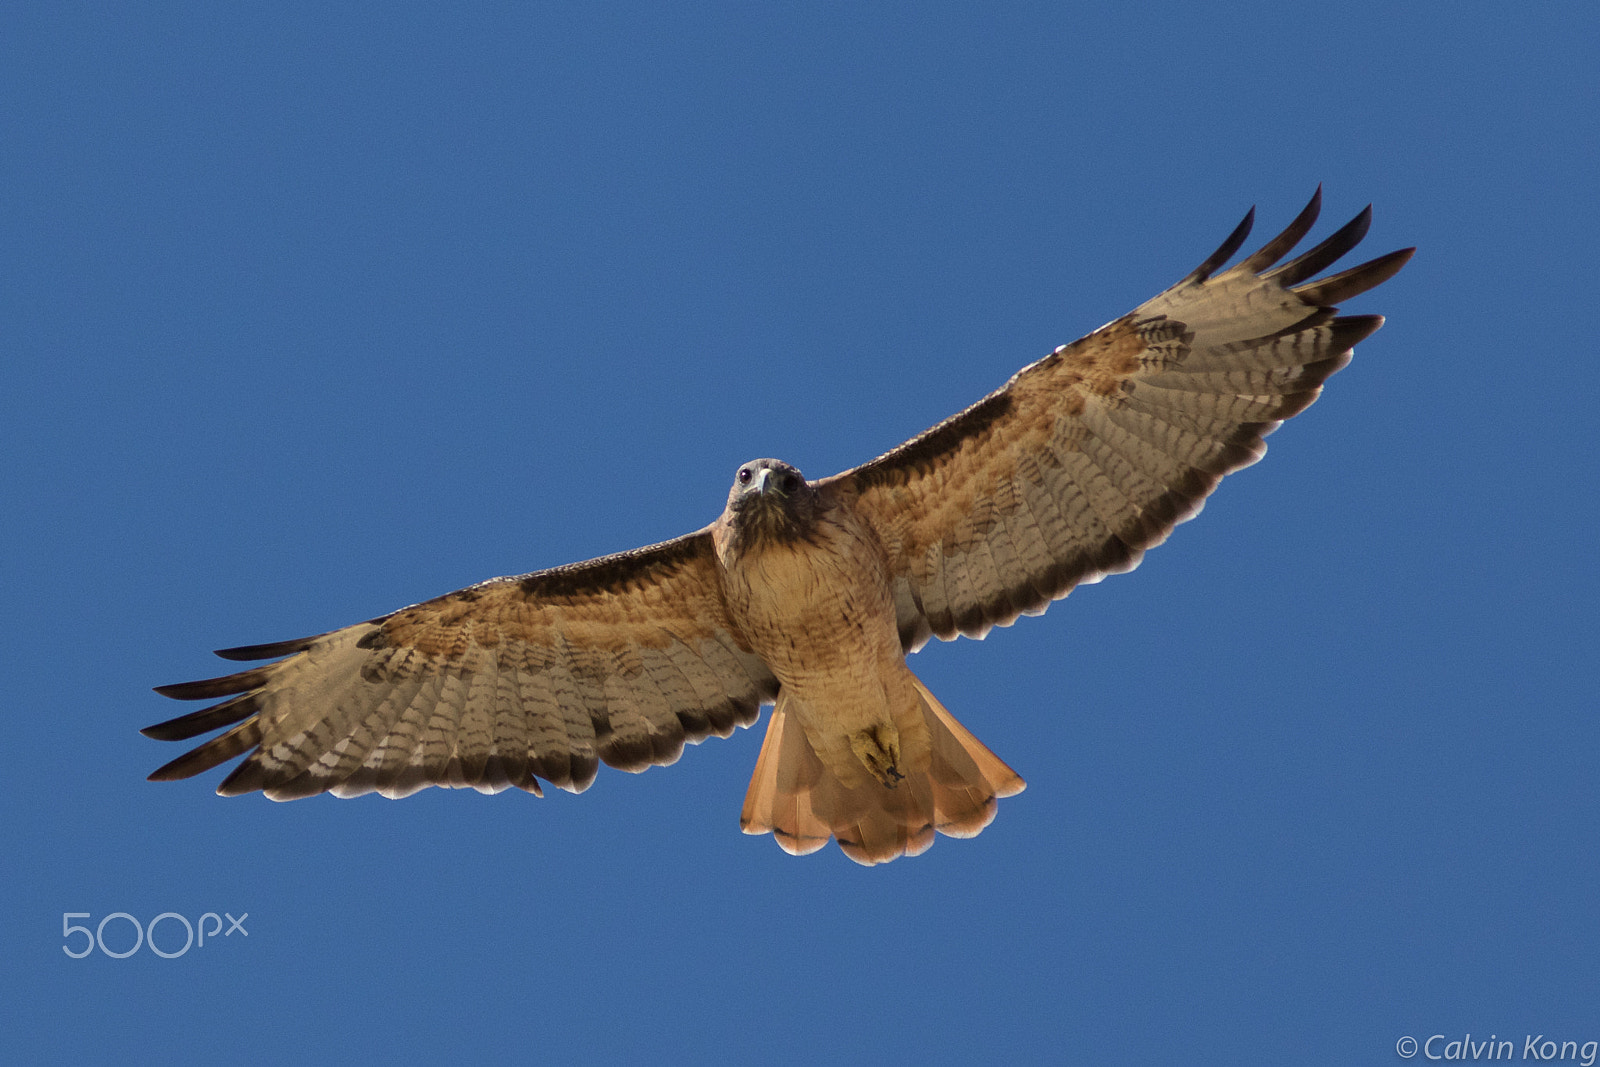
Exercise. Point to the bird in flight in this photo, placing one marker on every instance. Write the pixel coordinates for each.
(808, 595)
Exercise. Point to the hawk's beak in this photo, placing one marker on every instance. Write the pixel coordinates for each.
(763, 476)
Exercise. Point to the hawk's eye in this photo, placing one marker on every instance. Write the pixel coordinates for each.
(744, 475)
(791, 482)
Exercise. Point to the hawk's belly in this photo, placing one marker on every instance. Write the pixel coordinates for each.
(821, 614)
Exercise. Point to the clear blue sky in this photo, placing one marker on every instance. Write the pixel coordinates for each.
(309, 315)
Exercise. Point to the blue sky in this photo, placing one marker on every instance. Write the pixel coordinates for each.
(312, 311)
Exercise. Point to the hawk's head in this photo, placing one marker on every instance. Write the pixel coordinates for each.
(771, 500)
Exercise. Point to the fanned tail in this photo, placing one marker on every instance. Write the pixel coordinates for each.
(802, 803)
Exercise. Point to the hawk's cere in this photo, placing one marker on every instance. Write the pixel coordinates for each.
(809, 594)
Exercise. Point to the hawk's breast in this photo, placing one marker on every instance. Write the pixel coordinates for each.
(816, 605)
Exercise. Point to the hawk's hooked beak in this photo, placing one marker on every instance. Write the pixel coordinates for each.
(769, 485)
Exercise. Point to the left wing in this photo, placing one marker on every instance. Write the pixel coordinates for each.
(621, 659)
(1093, 454)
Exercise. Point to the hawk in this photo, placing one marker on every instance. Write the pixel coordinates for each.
(808, 595)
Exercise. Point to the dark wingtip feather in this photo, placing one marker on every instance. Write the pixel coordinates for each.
(218, 750)
(248, 777)
(1341, 241)
(267, 651)
(1351, 330)
(1225, 251)
(204, 721)
(1356, 280)
(209, 688)
(1279, 246)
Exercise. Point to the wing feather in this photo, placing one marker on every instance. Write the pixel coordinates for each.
(526, 733)
(1097, 451)
(474, 732)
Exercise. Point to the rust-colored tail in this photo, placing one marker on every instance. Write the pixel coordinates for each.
(802, 803)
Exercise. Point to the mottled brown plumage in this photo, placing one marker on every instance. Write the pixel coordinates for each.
(809, 595)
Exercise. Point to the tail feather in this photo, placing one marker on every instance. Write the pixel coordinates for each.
(802, 803)
(779, 797)
(967, 778)
(901, 825)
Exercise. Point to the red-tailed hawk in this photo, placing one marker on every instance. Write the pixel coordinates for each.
(809, 594)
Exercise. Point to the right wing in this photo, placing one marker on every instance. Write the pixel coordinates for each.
(620, 659)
